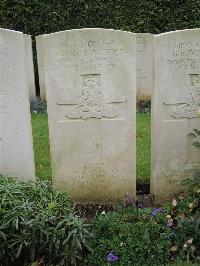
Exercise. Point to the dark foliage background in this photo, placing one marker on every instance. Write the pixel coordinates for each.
(37, 17)
(45, 16)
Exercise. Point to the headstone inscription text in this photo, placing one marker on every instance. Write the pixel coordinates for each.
(185, 55)
(175, 106)
(91, 75)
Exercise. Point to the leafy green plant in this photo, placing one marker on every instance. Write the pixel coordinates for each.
(184, 211)
(133, 236)
(187, 238)
(192, 185)
(38, 222)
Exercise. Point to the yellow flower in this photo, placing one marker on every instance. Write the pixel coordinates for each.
(51, 206)
(190, 205)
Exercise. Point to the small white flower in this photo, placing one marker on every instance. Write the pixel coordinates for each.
(174, 202)
(103, 212)
(189, 241)
(35, 112)
(185, 246)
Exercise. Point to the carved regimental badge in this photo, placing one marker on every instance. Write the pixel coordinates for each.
(92, 103)
(190, 109)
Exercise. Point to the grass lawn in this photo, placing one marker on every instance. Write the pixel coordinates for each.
(42, 151)
(41, 146)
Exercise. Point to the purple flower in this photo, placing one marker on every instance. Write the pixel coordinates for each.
(170, 223)
(140, 205)
(129, 198)
(111, 257)
(156, 210)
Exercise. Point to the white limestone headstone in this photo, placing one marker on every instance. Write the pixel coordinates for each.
(144, 64)
(29, 67)
(90, 78)
(174, 114)
(40, 51)
(16, 146)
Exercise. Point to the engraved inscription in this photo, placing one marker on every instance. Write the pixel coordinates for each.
(185, 55)
(91, 54)
(175, 175)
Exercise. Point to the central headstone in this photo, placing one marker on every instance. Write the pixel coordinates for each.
(90, 78)
(176, 101)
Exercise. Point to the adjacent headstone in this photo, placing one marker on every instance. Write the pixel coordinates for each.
(90, 78)
(144, 64)
(16, 147)
(40, 51)
(175, 105)
(29, 67)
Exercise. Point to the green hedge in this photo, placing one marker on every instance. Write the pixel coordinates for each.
(45, 16)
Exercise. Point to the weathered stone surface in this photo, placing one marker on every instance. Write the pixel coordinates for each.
(90, 79)
(144, 64)
(16, 147)
(175, 111)
(29, 67)
(40, 52)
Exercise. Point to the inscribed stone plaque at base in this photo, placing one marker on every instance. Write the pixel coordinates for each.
(16, 146)
(90, 80)
(176, 125)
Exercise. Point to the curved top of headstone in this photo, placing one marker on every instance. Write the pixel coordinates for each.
(177, 31)
(10, 31)
(85, 30)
